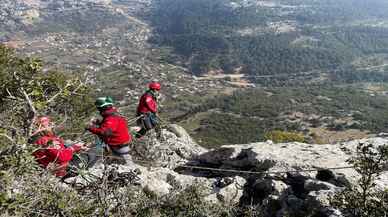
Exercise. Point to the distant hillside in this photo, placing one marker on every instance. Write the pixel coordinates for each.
(322, 114)
(296, 57)
(271, 37)
(108, 40)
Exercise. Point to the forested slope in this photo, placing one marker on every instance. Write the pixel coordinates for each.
(270, 37)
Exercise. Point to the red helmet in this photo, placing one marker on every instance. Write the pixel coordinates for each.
(154, 86)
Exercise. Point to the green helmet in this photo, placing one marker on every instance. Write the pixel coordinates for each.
(102, 102)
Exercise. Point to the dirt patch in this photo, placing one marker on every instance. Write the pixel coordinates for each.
(325, 136)
(13, 44)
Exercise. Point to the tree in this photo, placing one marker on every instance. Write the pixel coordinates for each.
(26, 92)
(363, 199)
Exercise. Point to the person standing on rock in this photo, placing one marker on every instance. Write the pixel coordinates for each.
(112, 130)
(147, 110)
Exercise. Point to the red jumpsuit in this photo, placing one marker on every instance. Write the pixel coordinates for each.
(147, 103)
(147, 107)
(53, 151)
(113, 129)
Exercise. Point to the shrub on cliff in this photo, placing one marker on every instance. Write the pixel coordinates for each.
(278, 136)
(364, 199)
(27, 91)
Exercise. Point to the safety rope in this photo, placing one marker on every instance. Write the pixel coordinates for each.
(154, 163)
(263, 172)
(232, 170)
(131, 121)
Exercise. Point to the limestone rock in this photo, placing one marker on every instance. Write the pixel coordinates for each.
(168, 151)
(229, 192)
(319, 198)
(315, 185)
(290, 157)
(279, 186)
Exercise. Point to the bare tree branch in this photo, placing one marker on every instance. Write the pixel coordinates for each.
(30, 105)
(29, 101)
(7, 137)
(33, 110)
(77, 88)
(9, 94)
(12, 98)
(59, 93)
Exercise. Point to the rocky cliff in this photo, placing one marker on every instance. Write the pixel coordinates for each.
(287, 178)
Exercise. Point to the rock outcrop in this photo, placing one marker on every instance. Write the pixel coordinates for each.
(276, 184)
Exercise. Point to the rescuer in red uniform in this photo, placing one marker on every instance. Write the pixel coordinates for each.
(52, 152)
(112, 130)
(147, 109)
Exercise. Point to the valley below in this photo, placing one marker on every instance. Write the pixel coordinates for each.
(244, 68)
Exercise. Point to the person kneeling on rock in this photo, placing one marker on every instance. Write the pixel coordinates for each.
(112, 130)
(52, 154)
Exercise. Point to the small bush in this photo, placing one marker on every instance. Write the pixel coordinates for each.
(282, 136)
(190, 202)
(363, 199)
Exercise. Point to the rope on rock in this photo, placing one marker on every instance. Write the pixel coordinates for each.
(263, 172)
(232, 170)
(156, 163)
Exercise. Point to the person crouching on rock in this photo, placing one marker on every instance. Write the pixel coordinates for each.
(112, 130)
(52, 153)
(147, 110)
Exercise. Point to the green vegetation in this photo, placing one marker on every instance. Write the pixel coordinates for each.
(363, 199)
(208, 35)
(40, 194)
(217, 129)
(81, 21)
(278, 136)
(27, 190)
(246, 115)
(27, 92)
(339, 12)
